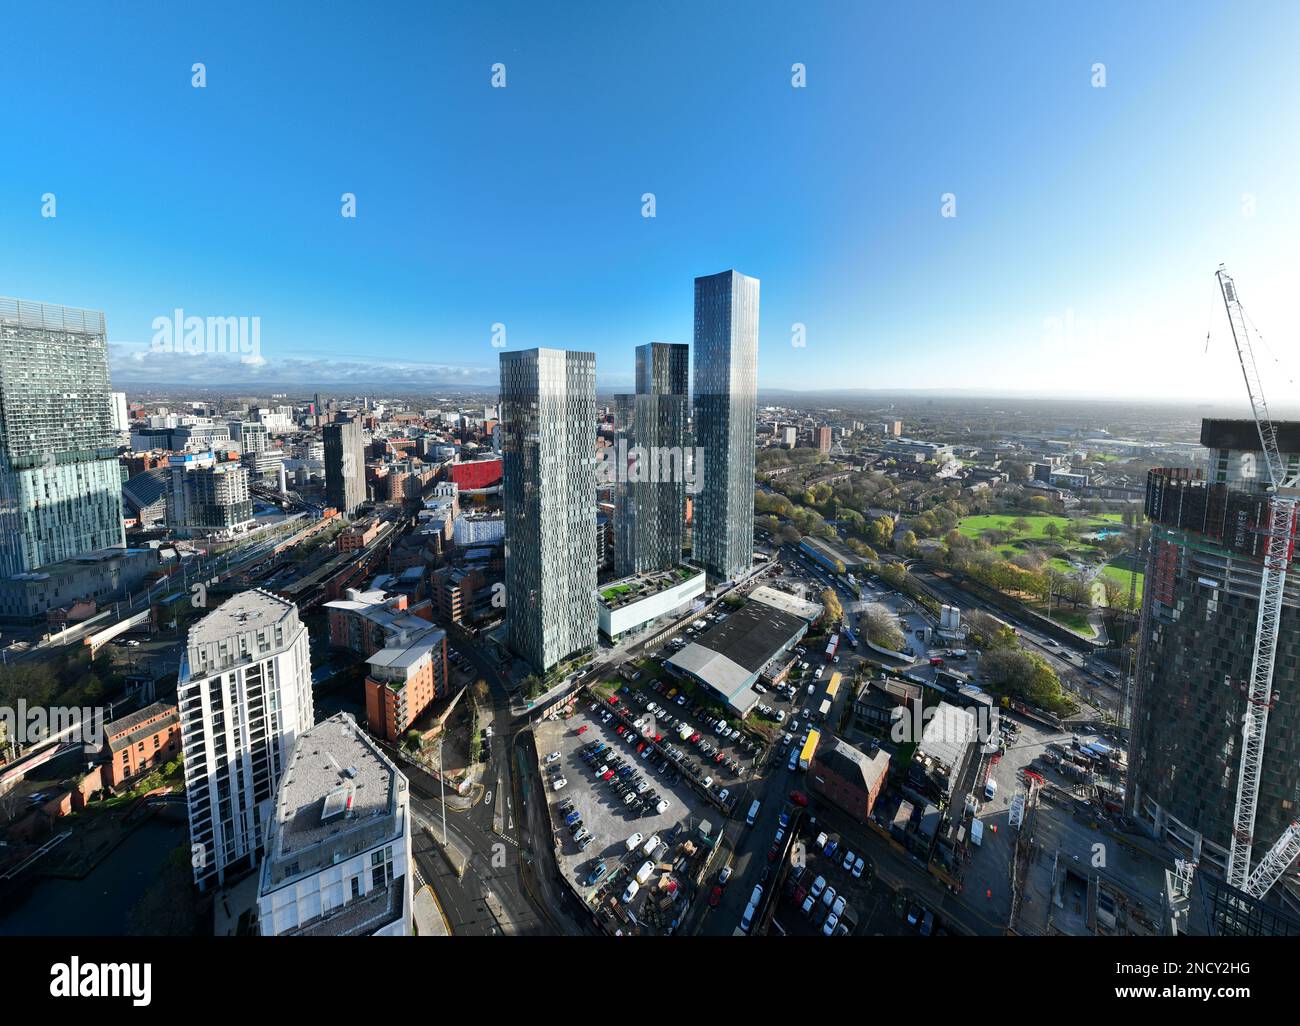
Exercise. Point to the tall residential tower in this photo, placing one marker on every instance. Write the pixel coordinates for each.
(1200, 604)
(548, 448)
(244, 693)
(652, 457)
(345, 465)
(726, 407)
(60, 486)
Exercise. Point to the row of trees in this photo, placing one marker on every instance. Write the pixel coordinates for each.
(1009, 669)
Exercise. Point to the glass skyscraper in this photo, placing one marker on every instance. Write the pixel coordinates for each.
(60, 486)
(726, 407)
(651, 434)
(548, 450)
(662, 368)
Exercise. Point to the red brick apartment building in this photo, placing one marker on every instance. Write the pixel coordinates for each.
(405, 678)
(141, 742)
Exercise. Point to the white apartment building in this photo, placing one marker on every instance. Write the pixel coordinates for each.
(338, 848)
(244, 693)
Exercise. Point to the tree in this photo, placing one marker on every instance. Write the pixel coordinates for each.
(879, 625)
(834, 611)
(988, 632)
(1050, 530)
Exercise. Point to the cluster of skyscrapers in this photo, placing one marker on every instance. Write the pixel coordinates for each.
(548, 421)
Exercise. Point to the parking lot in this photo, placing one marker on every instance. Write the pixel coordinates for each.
(826, 891)
(713, 748)
(597, 789)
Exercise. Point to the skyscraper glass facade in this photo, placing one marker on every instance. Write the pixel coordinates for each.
(726, 406)
(60, 486)
(548, 450)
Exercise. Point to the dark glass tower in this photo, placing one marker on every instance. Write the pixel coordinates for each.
(726, 405)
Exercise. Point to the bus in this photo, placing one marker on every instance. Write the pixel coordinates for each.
(833, 688)
(809, 748)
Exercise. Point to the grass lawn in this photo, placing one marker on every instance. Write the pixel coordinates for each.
(1075, 619)
(1117, 571)
(974, 527)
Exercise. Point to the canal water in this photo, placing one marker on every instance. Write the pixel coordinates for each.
(100, 903)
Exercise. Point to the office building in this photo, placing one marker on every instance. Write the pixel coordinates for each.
(345, 465)
(1200, 606)
(244, 693)
(60, 486)
(726, 407)
(338, 848)
(548, 446)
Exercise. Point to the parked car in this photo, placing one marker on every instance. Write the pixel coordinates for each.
(597, 872)
(560, 783)
(553, 757)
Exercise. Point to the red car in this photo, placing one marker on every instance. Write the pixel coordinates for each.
(936, 661)
(607, 774)
(582, 729)
(695, 737)
(613, 699)
(659, 737)
(715, 896)
(773, 852)
(718, 757)
(641, 747)
(799, 798)
(619, 729)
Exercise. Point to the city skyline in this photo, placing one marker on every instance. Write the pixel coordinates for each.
(1078, 260)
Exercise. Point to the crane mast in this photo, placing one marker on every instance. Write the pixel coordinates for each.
(1279, 540)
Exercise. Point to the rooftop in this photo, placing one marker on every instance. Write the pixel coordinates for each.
(729, 655)
(787, 603)
(339, 796)
(248, 611)
(848, 763)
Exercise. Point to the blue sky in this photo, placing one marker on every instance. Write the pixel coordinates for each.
(1089, 221)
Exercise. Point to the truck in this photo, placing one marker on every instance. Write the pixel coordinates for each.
(832, 647)
(809, 748)
(976, 832)
(825, 710)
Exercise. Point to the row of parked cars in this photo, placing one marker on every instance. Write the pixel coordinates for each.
(670, 718)
(459, 661)
(628, 786)
(822, 904)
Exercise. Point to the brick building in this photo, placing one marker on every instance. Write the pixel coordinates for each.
(141, 742)
(848, 778)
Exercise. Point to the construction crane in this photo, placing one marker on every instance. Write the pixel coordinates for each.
(1279, 540)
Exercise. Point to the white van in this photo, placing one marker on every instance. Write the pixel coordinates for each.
(748, 917)
(753, 813)
(991, 790)
(630, 893)
(643, 874)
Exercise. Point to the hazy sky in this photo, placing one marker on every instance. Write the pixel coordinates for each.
(1089, 221)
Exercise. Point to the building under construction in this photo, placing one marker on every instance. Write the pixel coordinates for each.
(1199, 614)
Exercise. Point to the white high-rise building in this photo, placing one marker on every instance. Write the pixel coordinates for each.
(245, 695)
(338, 849)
